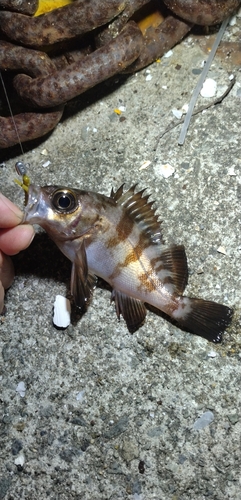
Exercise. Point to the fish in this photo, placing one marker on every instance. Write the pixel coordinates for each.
(119, 238)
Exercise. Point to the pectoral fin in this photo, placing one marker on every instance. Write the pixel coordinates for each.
(82, 283)
(132, 310)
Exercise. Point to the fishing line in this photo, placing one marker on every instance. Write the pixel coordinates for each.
(11, 113)
(21, 168)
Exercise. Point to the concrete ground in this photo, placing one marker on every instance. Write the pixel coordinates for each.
(106, 414)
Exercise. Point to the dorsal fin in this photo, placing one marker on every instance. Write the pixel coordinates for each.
(116, 195)
(174, 260)
(140, 210)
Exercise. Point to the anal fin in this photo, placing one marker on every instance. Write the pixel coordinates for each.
(132, 310)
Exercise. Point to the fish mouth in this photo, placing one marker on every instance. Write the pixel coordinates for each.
(33, 211)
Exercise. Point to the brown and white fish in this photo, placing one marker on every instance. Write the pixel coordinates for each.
(118, 238)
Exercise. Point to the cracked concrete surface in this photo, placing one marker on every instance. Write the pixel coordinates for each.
(105, 414)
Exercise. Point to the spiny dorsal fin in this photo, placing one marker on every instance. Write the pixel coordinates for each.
(117, 194)
(140, 210)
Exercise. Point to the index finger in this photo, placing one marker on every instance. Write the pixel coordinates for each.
(10, 214)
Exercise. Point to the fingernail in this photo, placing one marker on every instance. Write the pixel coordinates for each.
(32, 234)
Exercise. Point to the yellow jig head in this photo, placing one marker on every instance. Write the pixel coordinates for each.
(21, 169)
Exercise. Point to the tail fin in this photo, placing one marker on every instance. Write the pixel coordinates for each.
(205, 318)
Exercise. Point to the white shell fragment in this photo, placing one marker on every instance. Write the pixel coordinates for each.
(231, 171)
(233, 21)
(80, 396)
(177, 113)
(21, 389)
(44, 152)
(62, 311)
(184, 108)
(209, 88)
(145, 165)
(46, 163)
(212, 354)
(203, 421)
(20, 460)
(148, 78)
(166, 170)
(221, 250)
(168, 54)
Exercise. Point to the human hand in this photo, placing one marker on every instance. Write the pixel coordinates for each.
(14, 237)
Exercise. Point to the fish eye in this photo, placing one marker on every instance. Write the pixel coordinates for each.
(64, 201)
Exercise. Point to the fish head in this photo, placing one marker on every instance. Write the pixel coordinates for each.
(65, 213)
